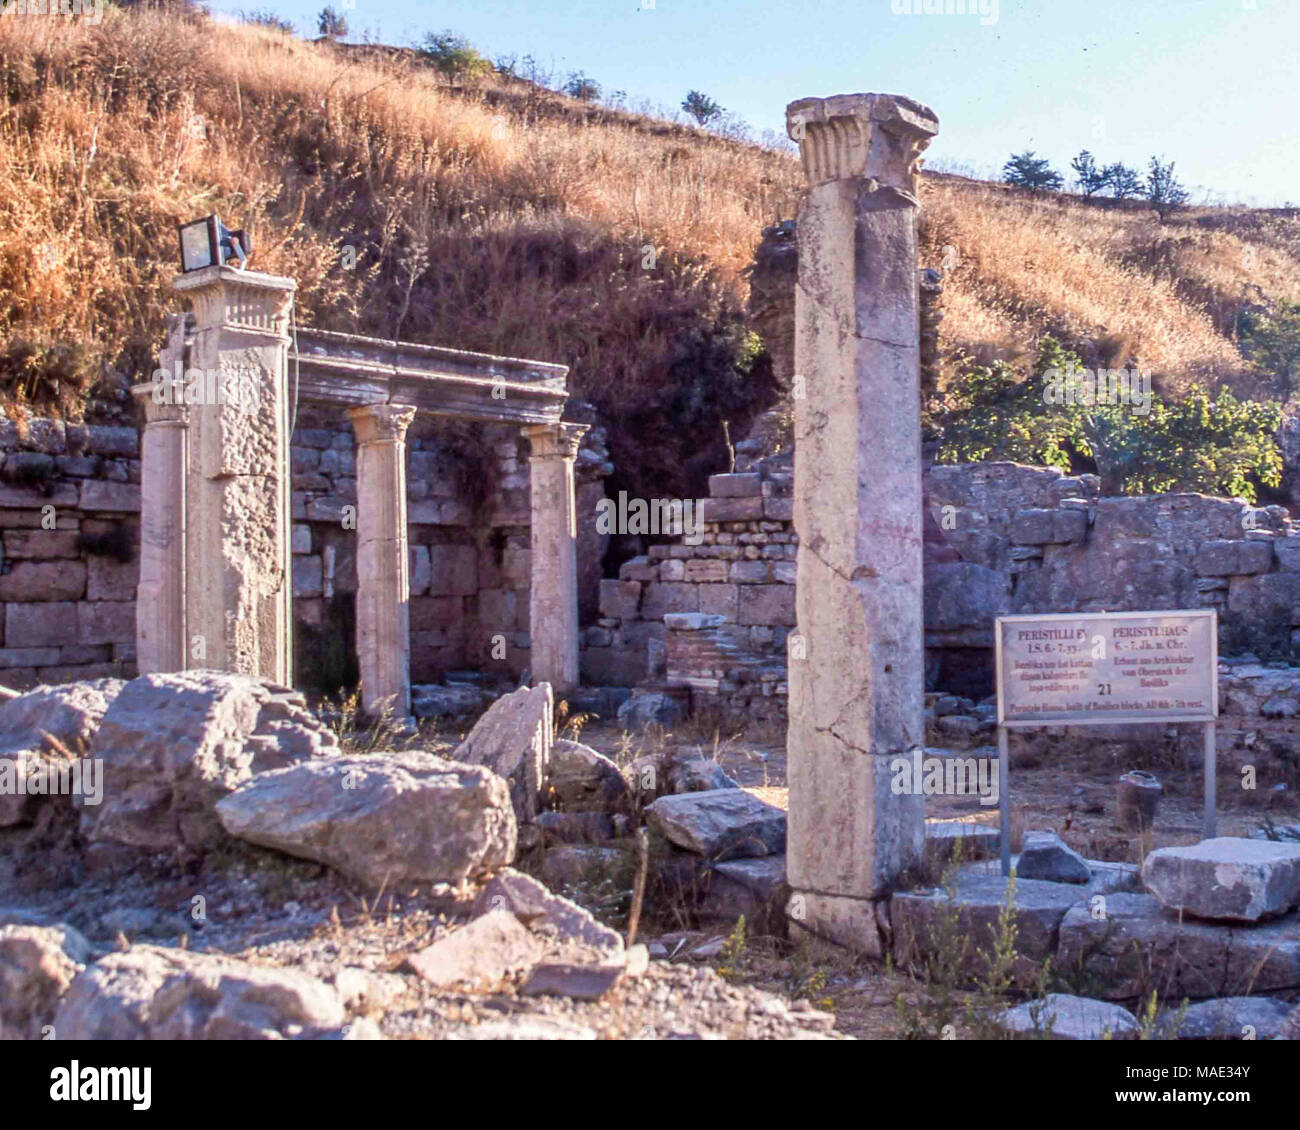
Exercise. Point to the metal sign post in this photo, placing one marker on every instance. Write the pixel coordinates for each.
(1103, 668)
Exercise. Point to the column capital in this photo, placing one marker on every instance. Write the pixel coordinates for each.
(381, 423)
(555, 441)
(250, 301)
(879, 137)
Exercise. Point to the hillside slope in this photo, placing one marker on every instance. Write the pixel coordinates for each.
(515, 221)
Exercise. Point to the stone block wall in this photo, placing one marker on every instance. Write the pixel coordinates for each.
(69, 563)
(714, 616)
(69, 546)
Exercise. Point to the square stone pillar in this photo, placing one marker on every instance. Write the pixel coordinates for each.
(383, 566)
(160, 641)
(237, 575)
(857, 657)
(553, 593)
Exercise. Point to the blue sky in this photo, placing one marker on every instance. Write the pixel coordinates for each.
(1212, 84)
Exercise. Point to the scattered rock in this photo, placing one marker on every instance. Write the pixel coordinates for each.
(380, 818)
(150, 993)
(1046, 856)
(581, 982)
(698, 775)
(513, 739)
(37, 964)
(720, 824)
(587, 781)
(524, 1028)
(534, 905)
(173, 745)
(584, 865)
(978, 841)
(486, 951)
(752, 887)
(1059, 1016)
(1227, 878)
(1290, 1029)
(128, 920)
(1228, 1018)
(452, 700)
(34, 725)
(651, 708)
(576, 827)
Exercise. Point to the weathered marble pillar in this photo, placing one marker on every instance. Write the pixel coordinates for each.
(857, 657)
(237, 574)
(553, 593)
(160, 642)
(383, 567)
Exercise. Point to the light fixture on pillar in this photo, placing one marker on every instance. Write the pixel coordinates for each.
(208, 241)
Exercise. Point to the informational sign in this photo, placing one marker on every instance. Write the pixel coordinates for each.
(1091, 668)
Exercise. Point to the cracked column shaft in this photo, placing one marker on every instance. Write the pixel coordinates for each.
(857, 658)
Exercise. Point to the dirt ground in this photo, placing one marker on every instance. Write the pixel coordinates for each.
(1074, 796)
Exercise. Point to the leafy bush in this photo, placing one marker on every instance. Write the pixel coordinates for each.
(581, 87)
(331, 24)
(1205, 443)
(701, 107)
(453, 56)
(1272, 340)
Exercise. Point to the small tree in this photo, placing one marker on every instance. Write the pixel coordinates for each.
(1162, 188)
(701, 107)
(1024, 170)
(1272, 341)
(332, 25)
(264, 17)
(1124, 183)
(582, 88)
(1088, 176)
(453, 56)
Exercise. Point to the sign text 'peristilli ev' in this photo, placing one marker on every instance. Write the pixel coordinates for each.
(1102, 667)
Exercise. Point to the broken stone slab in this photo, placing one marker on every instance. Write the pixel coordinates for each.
(652, 708)
(585, 780)
(153, 993)
(1226, 879)
(698, 775)
(1107, 876)
(538, 907)
(37, 964)
(513, 739)
(564, 979)
(1046, 856)
(576, 827)
(33, 727)
(1059, 1016)
(1227, 1018)
(1128, 946)
(720, 824)
(173, 745)
(486, 951)
(927, 922)
(978, 841)
(586, 865)
(380, 819)
(754, 888)
(435, 700)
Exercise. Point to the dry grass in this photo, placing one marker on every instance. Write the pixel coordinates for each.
(516, 221)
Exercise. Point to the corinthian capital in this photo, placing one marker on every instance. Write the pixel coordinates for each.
(879, 137)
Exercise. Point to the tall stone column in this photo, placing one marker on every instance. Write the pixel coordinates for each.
(383, 567)
(160, 643)
(237, 574)
(553, 593)
(857, 658)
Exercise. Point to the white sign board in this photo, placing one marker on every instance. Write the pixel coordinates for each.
(1091, 668)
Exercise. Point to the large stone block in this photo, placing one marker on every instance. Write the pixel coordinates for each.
(453, 570)
(661, 598)
(513, 739)
(40, 543)
(1049, 527)
(1236, 557)
(107, 579)
(731, 509)
(106, 621)
(41, 625)
(44, 580)
(1226, 878)
(745, 485)
(720, 823)
(98, 495)
(767, 604)
(382, 819)
(620, 600)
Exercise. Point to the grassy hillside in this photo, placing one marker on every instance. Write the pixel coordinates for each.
(512, 220)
